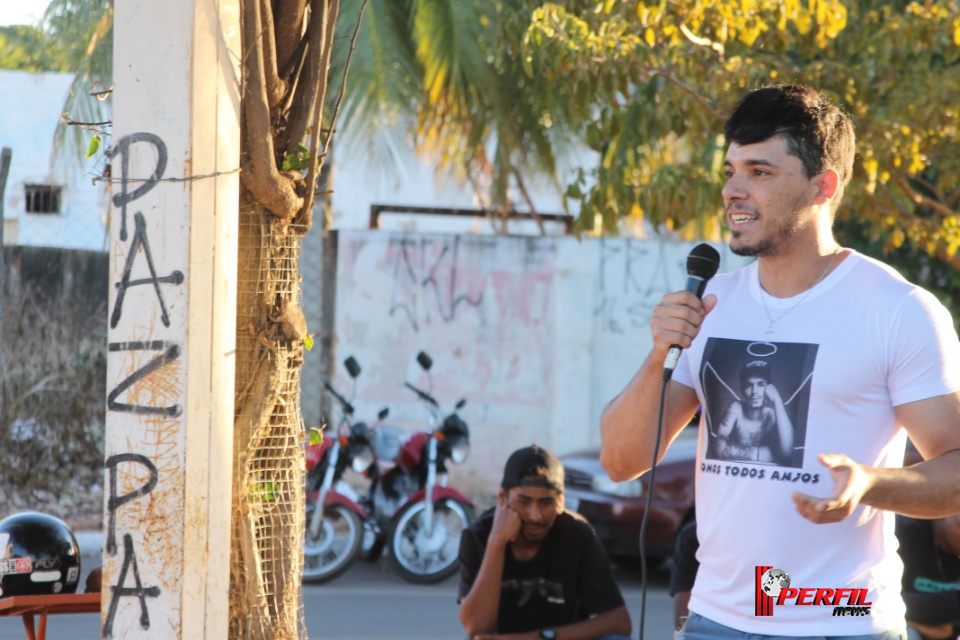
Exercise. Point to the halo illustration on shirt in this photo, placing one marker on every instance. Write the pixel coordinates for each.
(757, 397)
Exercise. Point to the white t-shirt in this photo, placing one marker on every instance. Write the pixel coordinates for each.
(841, 357)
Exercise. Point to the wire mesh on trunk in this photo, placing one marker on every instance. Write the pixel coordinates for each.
(268, 493)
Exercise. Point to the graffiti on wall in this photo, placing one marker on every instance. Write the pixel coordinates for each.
(481, 303)
(632, 275)
(428, 282)
(141, 376)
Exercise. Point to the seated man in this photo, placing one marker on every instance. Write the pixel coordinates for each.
(931, 575)
(683, 571)
(530, 570)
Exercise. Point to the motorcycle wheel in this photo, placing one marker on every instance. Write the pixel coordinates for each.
(422, 559)
(335, 547)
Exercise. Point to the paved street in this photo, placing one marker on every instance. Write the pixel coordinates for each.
(371, 603)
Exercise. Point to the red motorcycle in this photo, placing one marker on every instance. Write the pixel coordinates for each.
(424, 532)
(335, 519)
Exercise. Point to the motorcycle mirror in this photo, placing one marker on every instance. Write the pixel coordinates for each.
(461, 404)
(353, 367)
(424, 361)
(383, 413)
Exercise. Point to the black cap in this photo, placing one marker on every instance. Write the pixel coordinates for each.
(533, 466)
(756, 369)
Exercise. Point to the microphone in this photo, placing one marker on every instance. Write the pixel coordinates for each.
(702, 264)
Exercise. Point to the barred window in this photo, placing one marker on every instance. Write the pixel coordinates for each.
(42, 198)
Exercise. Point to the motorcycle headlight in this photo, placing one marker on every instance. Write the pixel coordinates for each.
(362, 459)
(459, 451)
(629, 489)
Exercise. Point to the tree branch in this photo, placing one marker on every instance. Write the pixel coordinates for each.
(703, 42)
(293, 74)
(921, 200)
(329, 23)
(276, 87)
(105, 24)
(931, 187)
(291, 70)
(483, 195)
(940, 251)
(953, 199)
(343, 84)
(526, 196)
(308, 86)
(669, 77)
(83, 125)
(289, 25)
(258, 162)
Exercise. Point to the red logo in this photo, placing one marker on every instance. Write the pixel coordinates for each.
(764, 603)
(773, 587)
(16, 565)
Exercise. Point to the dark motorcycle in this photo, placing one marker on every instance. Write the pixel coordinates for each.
(335, 519)
(424, 532)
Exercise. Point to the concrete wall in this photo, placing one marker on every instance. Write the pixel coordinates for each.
(538, 334)
(55, 274)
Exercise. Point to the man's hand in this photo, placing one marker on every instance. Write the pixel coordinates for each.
(850, 482)
(771, 394)
(677, 319)
(506, 522)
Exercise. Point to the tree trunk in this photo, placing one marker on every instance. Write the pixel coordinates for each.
(268, 494)
(285, 66)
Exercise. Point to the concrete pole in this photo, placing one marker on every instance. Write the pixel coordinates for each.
(173, 244)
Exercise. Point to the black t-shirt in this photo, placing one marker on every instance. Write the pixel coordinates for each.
(569, 579)
(931, 578)
(685, 564)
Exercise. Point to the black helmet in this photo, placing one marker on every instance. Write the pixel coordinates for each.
(38, 556)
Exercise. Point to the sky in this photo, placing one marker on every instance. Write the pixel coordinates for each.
(21, 11)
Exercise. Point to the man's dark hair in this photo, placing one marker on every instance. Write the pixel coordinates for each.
(816, 131)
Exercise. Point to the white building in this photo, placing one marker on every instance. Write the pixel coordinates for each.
(45, 205)
(62, 206)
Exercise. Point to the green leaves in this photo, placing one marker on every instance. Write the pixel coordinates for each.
(297, 161)
(264, 491)
(667, 73)
(315, 436)
(93, 147)
(60, 42)
(27, 48)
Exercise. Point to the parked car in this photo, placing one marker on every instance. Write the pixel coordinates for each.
(615, 509)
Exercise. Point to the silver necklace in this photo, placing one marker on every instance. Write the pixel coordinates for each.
(763, 295)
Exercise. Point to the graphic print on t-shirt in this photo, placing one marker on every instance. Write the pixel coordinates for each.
(523, 590)
(757, 397)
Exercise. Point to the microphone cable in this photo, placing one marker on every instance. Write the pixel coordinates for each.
(667, 373)
(702, 264)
